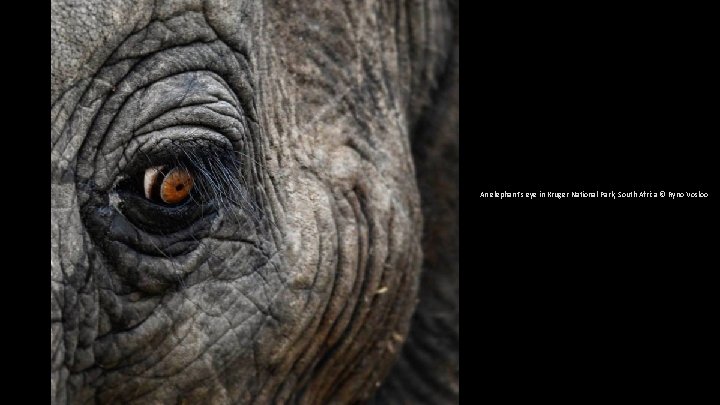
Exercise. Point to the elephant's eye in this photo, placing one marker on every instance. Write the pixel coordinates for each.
(171, 189)
(168, 185)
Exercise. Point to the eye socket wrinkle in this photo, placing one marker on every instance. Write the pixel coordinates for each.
(187, 105)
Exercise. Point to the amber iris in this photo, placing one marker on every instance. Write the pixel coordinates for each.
(176, 186)
(172, 187)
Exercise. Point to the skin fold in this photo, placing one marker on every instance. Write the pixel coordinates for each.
(322, 135)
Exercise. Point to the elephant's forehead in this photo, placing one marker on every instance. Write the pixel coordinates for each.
(84, 33)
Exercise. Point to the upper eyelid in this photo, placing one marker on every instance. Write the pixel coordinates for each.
(146, 150)
(190, 89)
(223, 119)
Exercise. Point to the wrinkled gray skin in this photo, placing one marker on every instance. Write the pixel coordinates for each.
(344, 115)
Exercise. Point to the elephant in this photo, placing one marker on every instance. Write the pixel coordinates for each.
(254, 201)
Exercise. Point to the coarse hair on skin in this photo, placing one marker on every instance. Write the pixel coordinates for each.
(219, 176)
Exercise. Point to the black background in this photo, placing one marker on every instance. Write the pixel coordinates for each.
(572, 299)
(585, 299)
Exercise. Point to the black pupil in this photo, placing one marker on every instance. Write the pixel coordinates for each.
(179, 187)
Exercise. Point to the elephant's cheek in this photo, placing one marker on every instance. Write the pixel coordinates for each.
(73, 298)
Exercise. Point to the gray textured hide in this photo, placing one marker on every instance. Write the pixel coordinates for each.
(322, 133)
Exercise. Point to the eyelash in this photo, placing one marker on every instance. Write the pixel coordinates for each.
(201, 175)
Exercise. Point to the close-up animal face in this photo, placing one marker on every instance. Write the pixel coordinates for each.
(238, 200)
